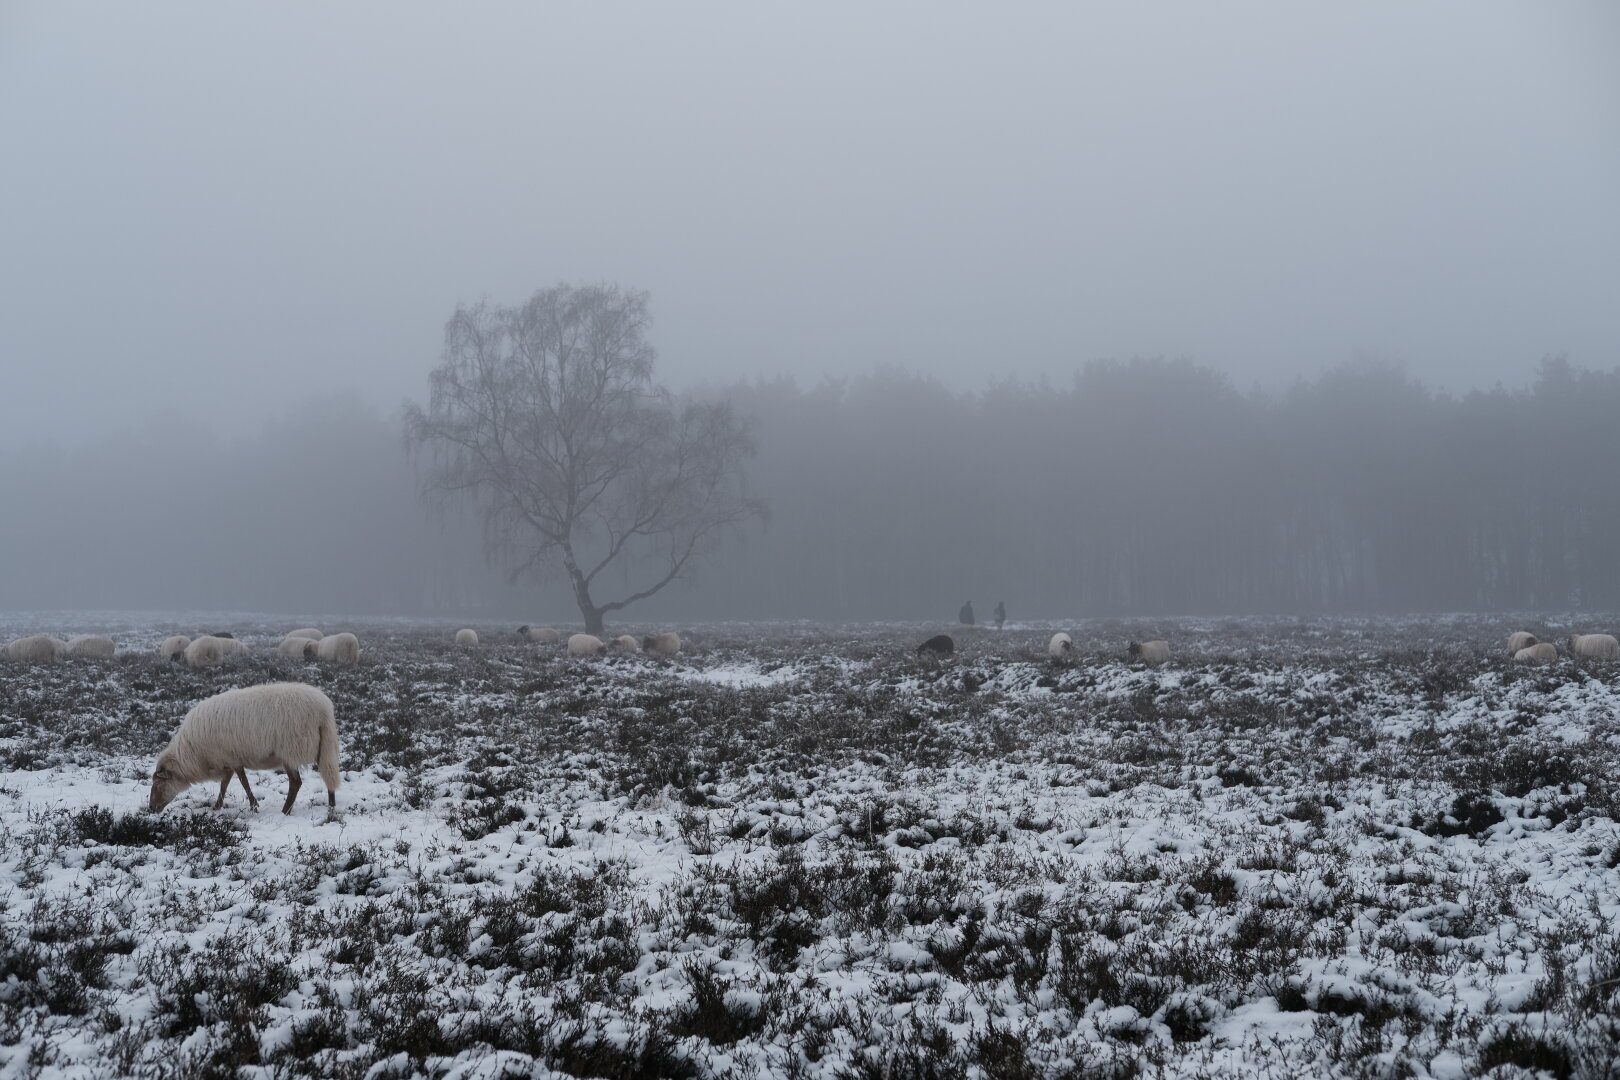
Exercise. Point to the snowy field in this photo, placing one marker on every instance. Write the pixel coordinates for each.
(1333, 848)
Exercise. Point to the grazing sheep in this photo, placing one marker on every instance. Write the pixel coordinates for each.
(585, 645)
(1520, 640)
(93, 645)
(274, 726)
(545, 635)
(625, 643)
(665, 644)
(939, 645)
(1594, 646)
(298, 648)
(173, 646)
(206, 651)
(338, 648)
(307, 632)
(1150, 652)
(1543, 652)
(36, 647)
(230, 648)
(1060, 645)
(467, 637)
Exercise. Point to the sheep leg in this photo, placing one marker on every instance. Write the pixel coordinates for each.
(223, 784)
(241, 774)
(294, 781)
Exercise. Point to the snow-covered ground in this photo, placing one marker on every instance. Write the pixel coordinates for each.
(1355, 847)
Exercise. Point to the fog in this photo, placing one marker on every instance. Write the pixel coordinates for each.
(1149, 487)
(922, 245)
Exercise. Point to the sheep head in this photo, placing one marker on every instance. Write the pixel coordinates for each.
(1134, 648)
(166, 784)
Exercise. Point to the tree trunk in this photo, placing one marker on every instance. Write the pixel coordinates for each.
(587, 607)
(582, 593)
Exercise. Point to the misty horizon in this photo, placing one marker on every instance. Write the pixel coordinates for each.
(1096, 309)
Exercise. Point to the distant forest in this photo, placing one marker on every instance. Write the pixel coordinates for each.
(1142, 487)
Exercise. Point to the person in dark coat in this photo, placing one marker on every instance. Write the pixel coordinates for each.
(1001, 613)
(965, 616)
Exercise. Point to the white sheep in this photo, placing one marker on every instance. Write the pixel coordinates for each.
(585, 645)
(298, 648)
(172, 646)
(665, 644)
(1542, 652)
(230, 648)
(1520, 640)
(1594, 646)
(1060, 645)
(36, 647)
(625, 643)
(467, 637)
(1150, 652)
(206, 651)
(545, 635)
(307, 632)
(339, 648)
(92, 645)
(275, 726)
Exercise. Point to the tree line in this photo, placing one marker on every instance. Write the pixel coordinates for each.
(1154, 486)
(1140, 487)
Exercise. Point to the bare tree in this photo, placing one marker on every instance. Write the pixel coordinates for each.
(546, 415)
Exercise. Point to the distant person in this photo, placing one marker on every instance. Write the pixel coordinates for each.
(1001, 613)
(965, 616)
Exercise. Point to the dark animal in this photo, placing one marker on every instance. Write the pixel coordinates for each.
(939, 645)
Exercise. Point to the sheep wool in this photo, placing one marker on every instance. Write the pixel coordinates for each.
(466, 637)
(584, 645)
(92, 645)
(1060, 645)
(306, 632)
(544, 635)
(339, 648)
(36, 648)
(275, 726)
(1150, 652)
(172, 646)
(1518, 641)
(626, 643)
(298, 648)
(206, 651)
(1594, 646)
(230, 648)
(1543, 652)
(665, 644)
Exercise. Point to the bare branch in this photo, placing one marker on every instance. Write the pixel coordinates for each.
(546, 417)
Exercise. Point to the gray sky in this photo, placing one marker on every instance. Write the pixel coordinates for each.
(220, 210)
